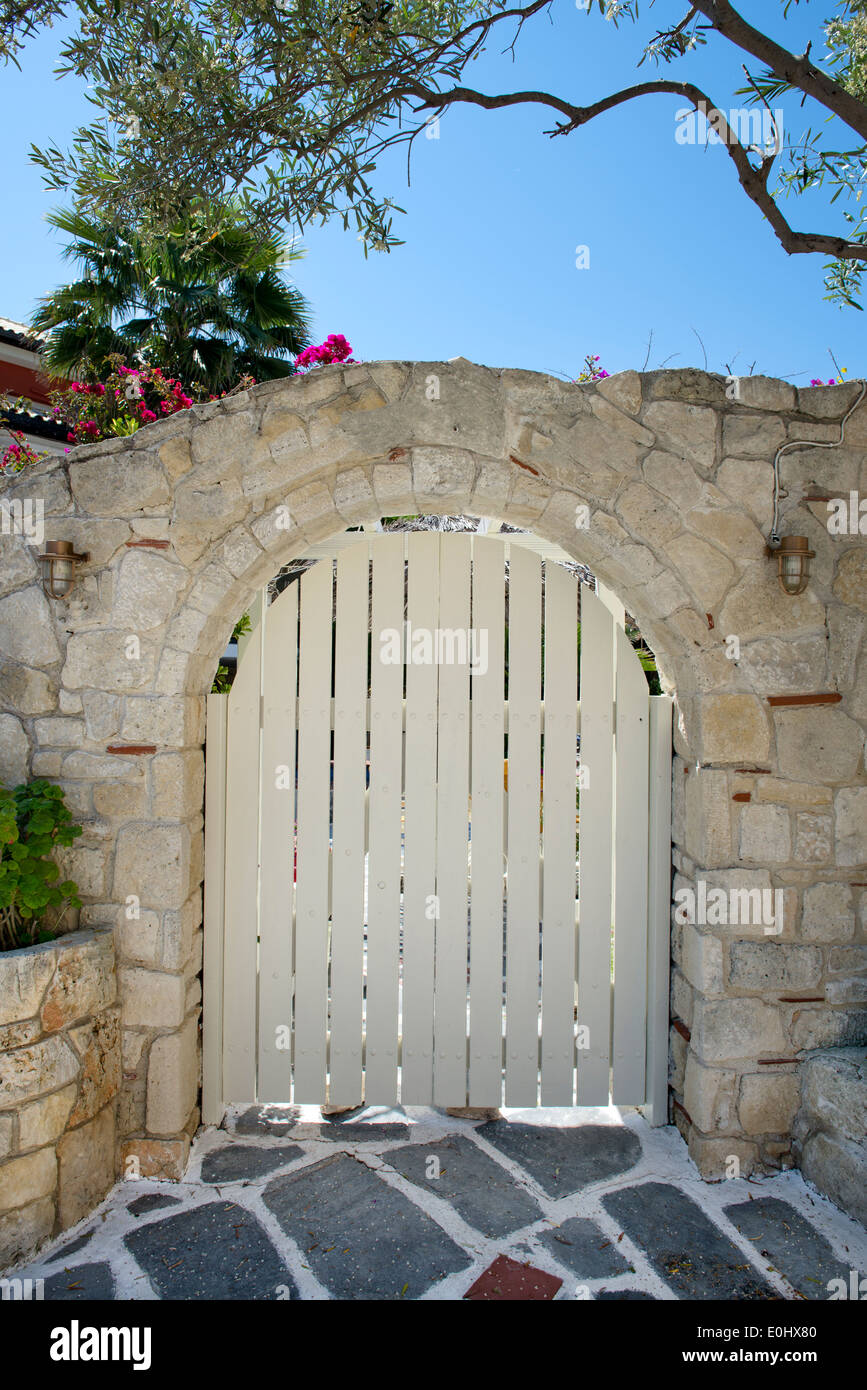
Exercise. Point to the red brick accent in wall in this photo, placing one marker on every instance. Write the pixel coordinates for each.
(829, 697)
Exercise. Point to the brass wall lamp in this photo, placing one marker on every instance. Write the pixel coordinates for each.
(793, 552)
(58, 562)
(793, 563)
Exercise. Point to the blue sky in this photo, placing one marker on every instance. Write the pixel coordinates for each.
(496, 211)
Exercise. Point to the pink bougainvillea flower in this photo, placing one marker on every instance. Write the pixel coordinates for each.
(334, 349)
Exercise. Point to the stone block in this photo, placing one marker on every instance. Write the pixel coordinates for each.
(767, 1103)
(86, 1167)
(151, 998)
(752, 436)
(22, 1231)
(734, 729)
(44, 1121)
(26, 691)
(750, 484)
(84, 981)
(850, 841)
(847, 958)
(737, 1029)
(687, 431)
(439, 473)
(765, 393)
(773, 666)
(681, 997)
(648, 516)
(717, 1159)
(709, 1096)
(774, 966)
(812, 839)
(97, 1043)
(139, 940)
(765, 835)
(702, 961)
(177, 783)
(677, 1054)
(26, 1179)
(30, 1071)
(173, 1079)
(820, 737)
(162, 1159)
(27, 628)
(850, 583)
(817, 1026)
(852, 991)
(623, 389)
(834, 1092)
(14, 751)
(24, 978)
(136, 477)
(353, 496)
(829, 914)
(153, 862)
(108, 653)
(120, 800)
(146, 590)
(708, 817)
(178, 930)
(839, 1169)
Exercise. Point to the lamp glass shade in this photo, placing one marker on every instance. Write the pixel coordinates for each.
(793, 560)
(58, 568)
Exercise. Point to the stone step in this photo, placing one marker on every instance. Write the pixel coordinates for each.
(831, 1126)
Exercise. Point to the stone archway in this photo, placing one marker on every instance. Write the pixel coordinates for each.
(105, 693)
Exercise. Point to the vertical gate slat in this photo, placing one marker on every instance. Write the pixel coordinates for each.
(558, 838)
(276, 889)
(311, 898)
(450, 1007)
(384, 858)
(215, 911)
(524, 770)
(486, 863)
(630, 877)
(350, 756)
(419, 925)
(659, 909)
(242, 874)
(596, 847)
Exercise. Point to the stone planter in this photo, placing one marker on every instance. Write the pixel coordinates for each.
(60, 1069)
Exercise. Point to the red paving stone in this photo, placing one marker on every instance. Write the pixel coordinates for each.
(507, 1279)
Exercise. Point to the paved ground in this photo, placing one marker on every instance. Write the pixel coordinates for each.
(387, 1204)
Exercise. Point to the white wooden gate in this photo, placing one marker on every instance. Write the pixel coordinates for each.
(395, 909)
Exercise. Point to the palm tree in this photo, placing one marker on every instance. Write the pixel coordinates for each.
(206, 309)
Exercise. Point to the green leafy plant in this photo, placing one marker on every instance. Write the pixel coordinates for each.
(646, 657)
(34, 821)
(224, 677)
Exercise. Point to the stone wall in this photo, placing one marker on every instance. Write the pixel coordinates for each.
(60, 1072)
(662, 484)
(831, 1126)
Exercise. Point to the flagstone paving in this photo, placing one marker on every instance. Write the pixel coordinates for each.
(283, 1203)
